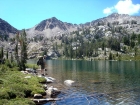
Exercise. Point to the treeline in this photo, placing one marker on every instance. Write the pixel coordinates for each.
(79, 46)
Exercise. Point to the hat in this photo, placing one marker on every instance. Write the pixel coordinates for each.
(45, 55)
(39, 56)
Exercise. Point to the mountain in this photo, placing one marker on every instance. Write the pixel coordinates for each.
(51, 27)
(6, 28)
(117, 18)
(54, 27)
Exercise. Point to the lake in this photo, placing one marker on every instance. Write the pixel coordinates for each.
(98, 82)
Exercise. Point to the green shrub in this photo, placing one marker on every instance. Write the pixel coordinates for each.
(11, 94)
(3, 101)
(20, 101)
(8, 63)
(14, 88)
(4, 94)
(38, 91)
(41, 80)
(3, 69)
(1, 81)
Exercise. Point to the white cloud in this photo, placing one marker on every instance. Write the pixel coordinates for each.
(123, 7)
(127, 7)
(108, 10)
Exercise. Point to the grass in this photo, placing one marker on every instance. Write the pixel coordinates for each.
(34, 66)
(129, 57)
(17, 101)
(15, 89)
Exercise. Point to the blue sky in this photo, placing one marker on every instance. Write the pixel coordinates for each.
(27, 13)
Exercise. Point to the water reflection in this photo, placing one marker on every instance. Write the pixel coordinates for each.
(113, 82)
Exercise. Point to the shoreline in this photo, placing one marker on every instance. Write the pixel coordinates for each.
(52, 95)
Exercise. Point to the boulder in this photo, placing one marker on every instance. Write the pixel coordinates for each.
(40, 76)
(69, 83)
(45, 87)
(38, 96)
(24, 72)
(49, 80)
(27, 77)
(52, 92)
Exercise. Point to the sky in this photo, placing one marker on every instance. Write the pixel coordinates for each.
(24, 14)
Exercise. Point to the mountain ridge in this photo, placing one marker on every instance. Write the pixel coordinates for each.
(54, 27)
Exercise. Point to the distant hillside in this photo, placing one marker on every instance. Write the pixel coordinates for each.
(54, 27)
(6, 28)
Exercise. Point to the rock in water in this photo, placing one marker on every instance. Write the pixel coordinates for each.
(69, 82)
(49, 80)
(52, 92)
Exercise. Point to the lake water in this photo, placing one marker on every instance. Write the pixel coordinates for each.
(98, 82)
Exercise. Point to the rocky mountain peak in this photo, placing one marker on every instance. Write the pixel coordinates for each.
(54, 18)
(113, 15)
(50, 24)
(118, 15)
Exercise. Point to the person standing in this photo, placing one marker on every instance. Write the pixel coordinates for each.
(42, 62)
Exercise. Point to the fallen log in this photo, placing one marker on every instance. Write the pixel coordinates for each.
(46, 100)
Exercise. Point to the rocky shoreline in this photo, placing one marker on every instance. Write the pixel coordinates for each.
(51, 86)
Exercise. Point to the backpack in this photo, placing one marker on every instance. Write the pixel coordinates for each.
(40, 61)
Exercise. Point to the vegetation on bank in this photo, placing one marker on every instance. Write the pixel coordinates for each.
(15, 89)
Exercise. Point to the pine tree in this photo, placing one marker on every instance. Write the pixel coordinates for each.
(7, 54)
(103, 46)
(23, 42)
(23, 47)
(16, 50)
(105, 52)
(119, 58)
(56, 47)
(139, 38)
(136, 50)
(45, 52)
(110, 56)
(2, 54)
(12, 59)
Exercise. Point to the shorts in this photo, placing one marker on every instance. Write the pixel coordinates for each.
(42, 67)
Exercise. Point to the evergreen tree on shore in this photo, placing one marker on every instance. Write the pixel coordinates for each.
(1, 53)
(7, 54)
(22, 40)
(23, 44)
(110, 56)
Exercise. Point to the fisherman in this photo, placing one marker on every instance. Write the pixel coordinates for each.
(42, 62)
